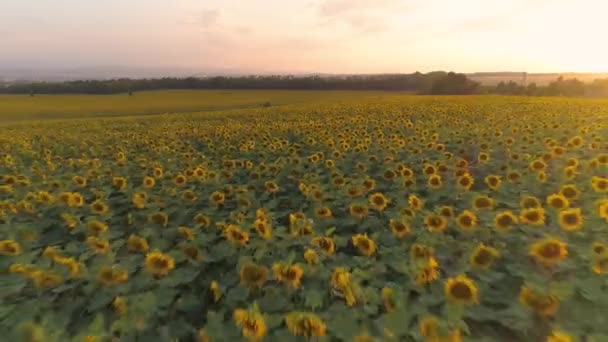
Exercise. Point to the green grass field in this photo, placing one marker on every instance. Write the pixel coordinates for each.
(24, 107)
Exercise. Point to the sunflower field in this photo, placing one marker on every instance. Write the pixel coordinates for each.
(407, 218)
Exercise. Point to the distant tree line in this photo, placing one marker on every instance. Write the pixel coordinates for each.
(429, 83)
(559, 87)
(441, 83)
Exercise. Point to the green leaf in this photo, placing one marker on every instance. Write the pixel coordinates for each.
(313, 299)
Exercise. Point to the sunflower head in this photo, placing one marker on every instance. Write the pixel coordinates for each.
(465, 182)
(291, 275)
(378, 201)
(549, 251)
(505, 220)
(544, 304)
(399, 228)
(253, 276)
(435, 223)
(467, 220)
(558, 201)
(493, 182)
(9, 248)
(137, 244)
(483, 202)
(236, 235)
(461, 290)
(159, 264)
(532, 216)
(364, 244)
(415, 202)
(251, 322)
(570, 219)
(483, 257)
(305, 324)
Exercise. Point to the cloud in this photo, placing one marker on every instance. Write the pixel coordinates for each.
(363, 16)
(209, 17)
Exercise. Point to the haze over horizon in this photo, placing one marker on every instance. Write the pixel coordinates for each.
(316, 36)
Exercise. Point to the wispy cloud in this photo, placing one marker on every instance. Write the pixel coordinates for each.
(365, 16)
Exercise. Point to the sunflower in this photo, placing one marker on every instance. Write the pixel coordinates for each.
(600, 264)
(98, 207)
(10, 248)
(435, 223)
(421, 252)
(427, 272)
(217, 198)
(46, 279)
(493, 182)
(446, 211)
(570, 191)
(288, 274)
(503, 221)
(354, 191)
(369, 184)
(541, 303)
(139, 199)
(119, 304)
(236, 235)
(253, 276)
(271, 187)
(323, 212)
(159, 264)
(435, 181)
(359, 210)
(467, 220)
(180, 180)
(378, 201)
(263, 228)
(602, 209)
(599, 248)
(305, 324)
(99, 246)
(559, 336)
(388, 300)
(215, 290)
(97, 227)
(571, 219)
(429, 327)
(186, 232)
(79, 181)
(399, 228)
(189, 195)
(558, 201)
(465, 182)
(538, 165)
(160, 218)
(549, 251)
(483, 202)
(365, 245)
(527, 202)
(389, 175)
(483, 157)
(148, 182)
(202, 220)
(109, 276)
(120, 183)
(483, 257)
(251, 322)
(75, 200)
(311, 256)
(137, 244)
(532, 216)
(599, 184)
(342, 286)
(461, 290)
(415, 202)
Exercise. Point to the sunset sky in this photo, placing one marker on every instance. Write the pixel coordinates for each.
(334, 36)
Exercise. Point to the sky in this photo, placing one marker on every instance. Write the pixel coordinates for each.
(300, 36)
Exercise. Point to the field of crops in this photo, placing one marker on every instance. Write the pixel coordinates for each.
(399, 219)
